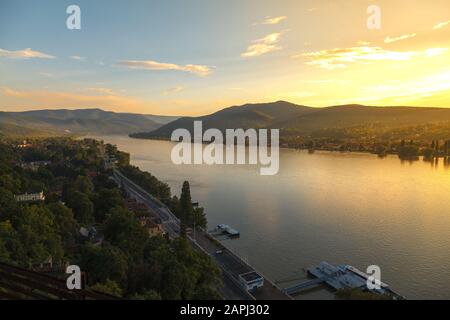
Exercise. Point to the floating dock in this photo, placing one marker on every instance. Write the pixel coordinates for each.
(339, 277)
(226, 229)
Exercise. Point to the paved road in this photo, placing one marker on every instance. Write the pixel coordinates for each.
(231, 265)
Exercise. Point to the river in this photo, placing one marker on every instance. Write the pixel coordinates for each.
(344, 208)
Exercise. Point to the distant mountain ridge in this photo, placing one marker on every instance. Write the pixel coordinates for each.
(79, 121)
(259, 115)
(294, 119)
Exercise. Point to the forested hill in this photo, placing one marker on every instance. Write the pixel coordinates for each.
(86, 220)
(82, 121)
(346, 121)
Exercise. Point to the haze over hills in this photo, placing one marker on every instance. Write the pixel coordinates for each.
(82, 121)
(295, 119)
(346, 121)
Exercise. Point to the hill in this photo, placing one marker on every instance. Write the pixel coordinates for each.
(345, 121)
(260, 115)
(82, 121)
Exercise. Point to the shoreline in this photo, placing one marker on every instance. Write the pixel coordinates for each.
(331, 150)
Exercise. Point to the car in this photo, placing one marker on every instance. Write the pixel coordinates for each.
(219, 252)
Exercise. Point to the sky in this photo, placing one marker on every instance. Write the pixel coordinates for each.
(194, 57)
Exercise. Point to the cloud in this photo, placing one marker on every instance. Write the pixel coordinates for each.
(432, 52)
(340, 57)
(399, 38)
(47, 74)
(200, 70)
(264, 45)
(24, 54)
(101, 90)
(441, 25)
(173, 90)
(427, 88)
(272, 20)
(77, 58)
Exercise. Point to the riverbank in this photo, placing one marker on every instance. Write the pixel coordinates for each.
(405, 152)
(342, 207)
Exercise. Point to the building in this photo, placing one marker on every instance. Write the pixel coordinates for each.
(251, 281)
(25, 144)
(34, 165)
(109, 162)
(92, 235)
(30, 197)
(152, 225)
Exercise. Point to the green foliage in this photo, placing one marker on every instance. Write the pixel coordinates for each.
(82, 206)
(103, 263)
(146, 295)
(408, 152)
(147, 181)
(122, 229)
(127, 263)
(105, 200)
(84, 185)
(65, 222)
(8, 204)
(108, 287)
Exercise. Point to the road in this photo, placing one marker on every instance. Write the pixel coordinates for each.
(232, 266)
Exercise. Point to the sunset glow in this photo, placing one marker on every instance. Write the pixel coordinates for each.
(196, 61)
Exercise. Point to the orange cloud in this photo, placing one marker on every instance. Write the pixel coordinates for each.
(441, 25)
(200, 70)
(340, 57)
(399, 38)
(264, 45)
(77, 58)
(273, 20)
(24, 54)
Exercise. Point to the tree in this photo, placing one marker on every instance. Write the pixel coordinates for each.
(103, 263)
(82, 206)
(146, 295)
(105, 200)
(186, 209)
(65, 221)
(84, 185)
(408, 152)
(8, 204)
(38, 235)
(122, 229)
(428, 154)
(10, 246)
(199, 217)
(108, 287)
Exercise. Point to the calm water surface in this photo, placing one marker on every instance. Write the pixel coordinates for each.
(343, 208)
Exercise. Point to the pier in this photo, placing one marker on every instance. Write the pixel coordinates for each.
(338, 278)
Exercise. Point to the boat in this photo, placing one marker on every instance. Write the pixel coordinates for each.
(227, 230)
